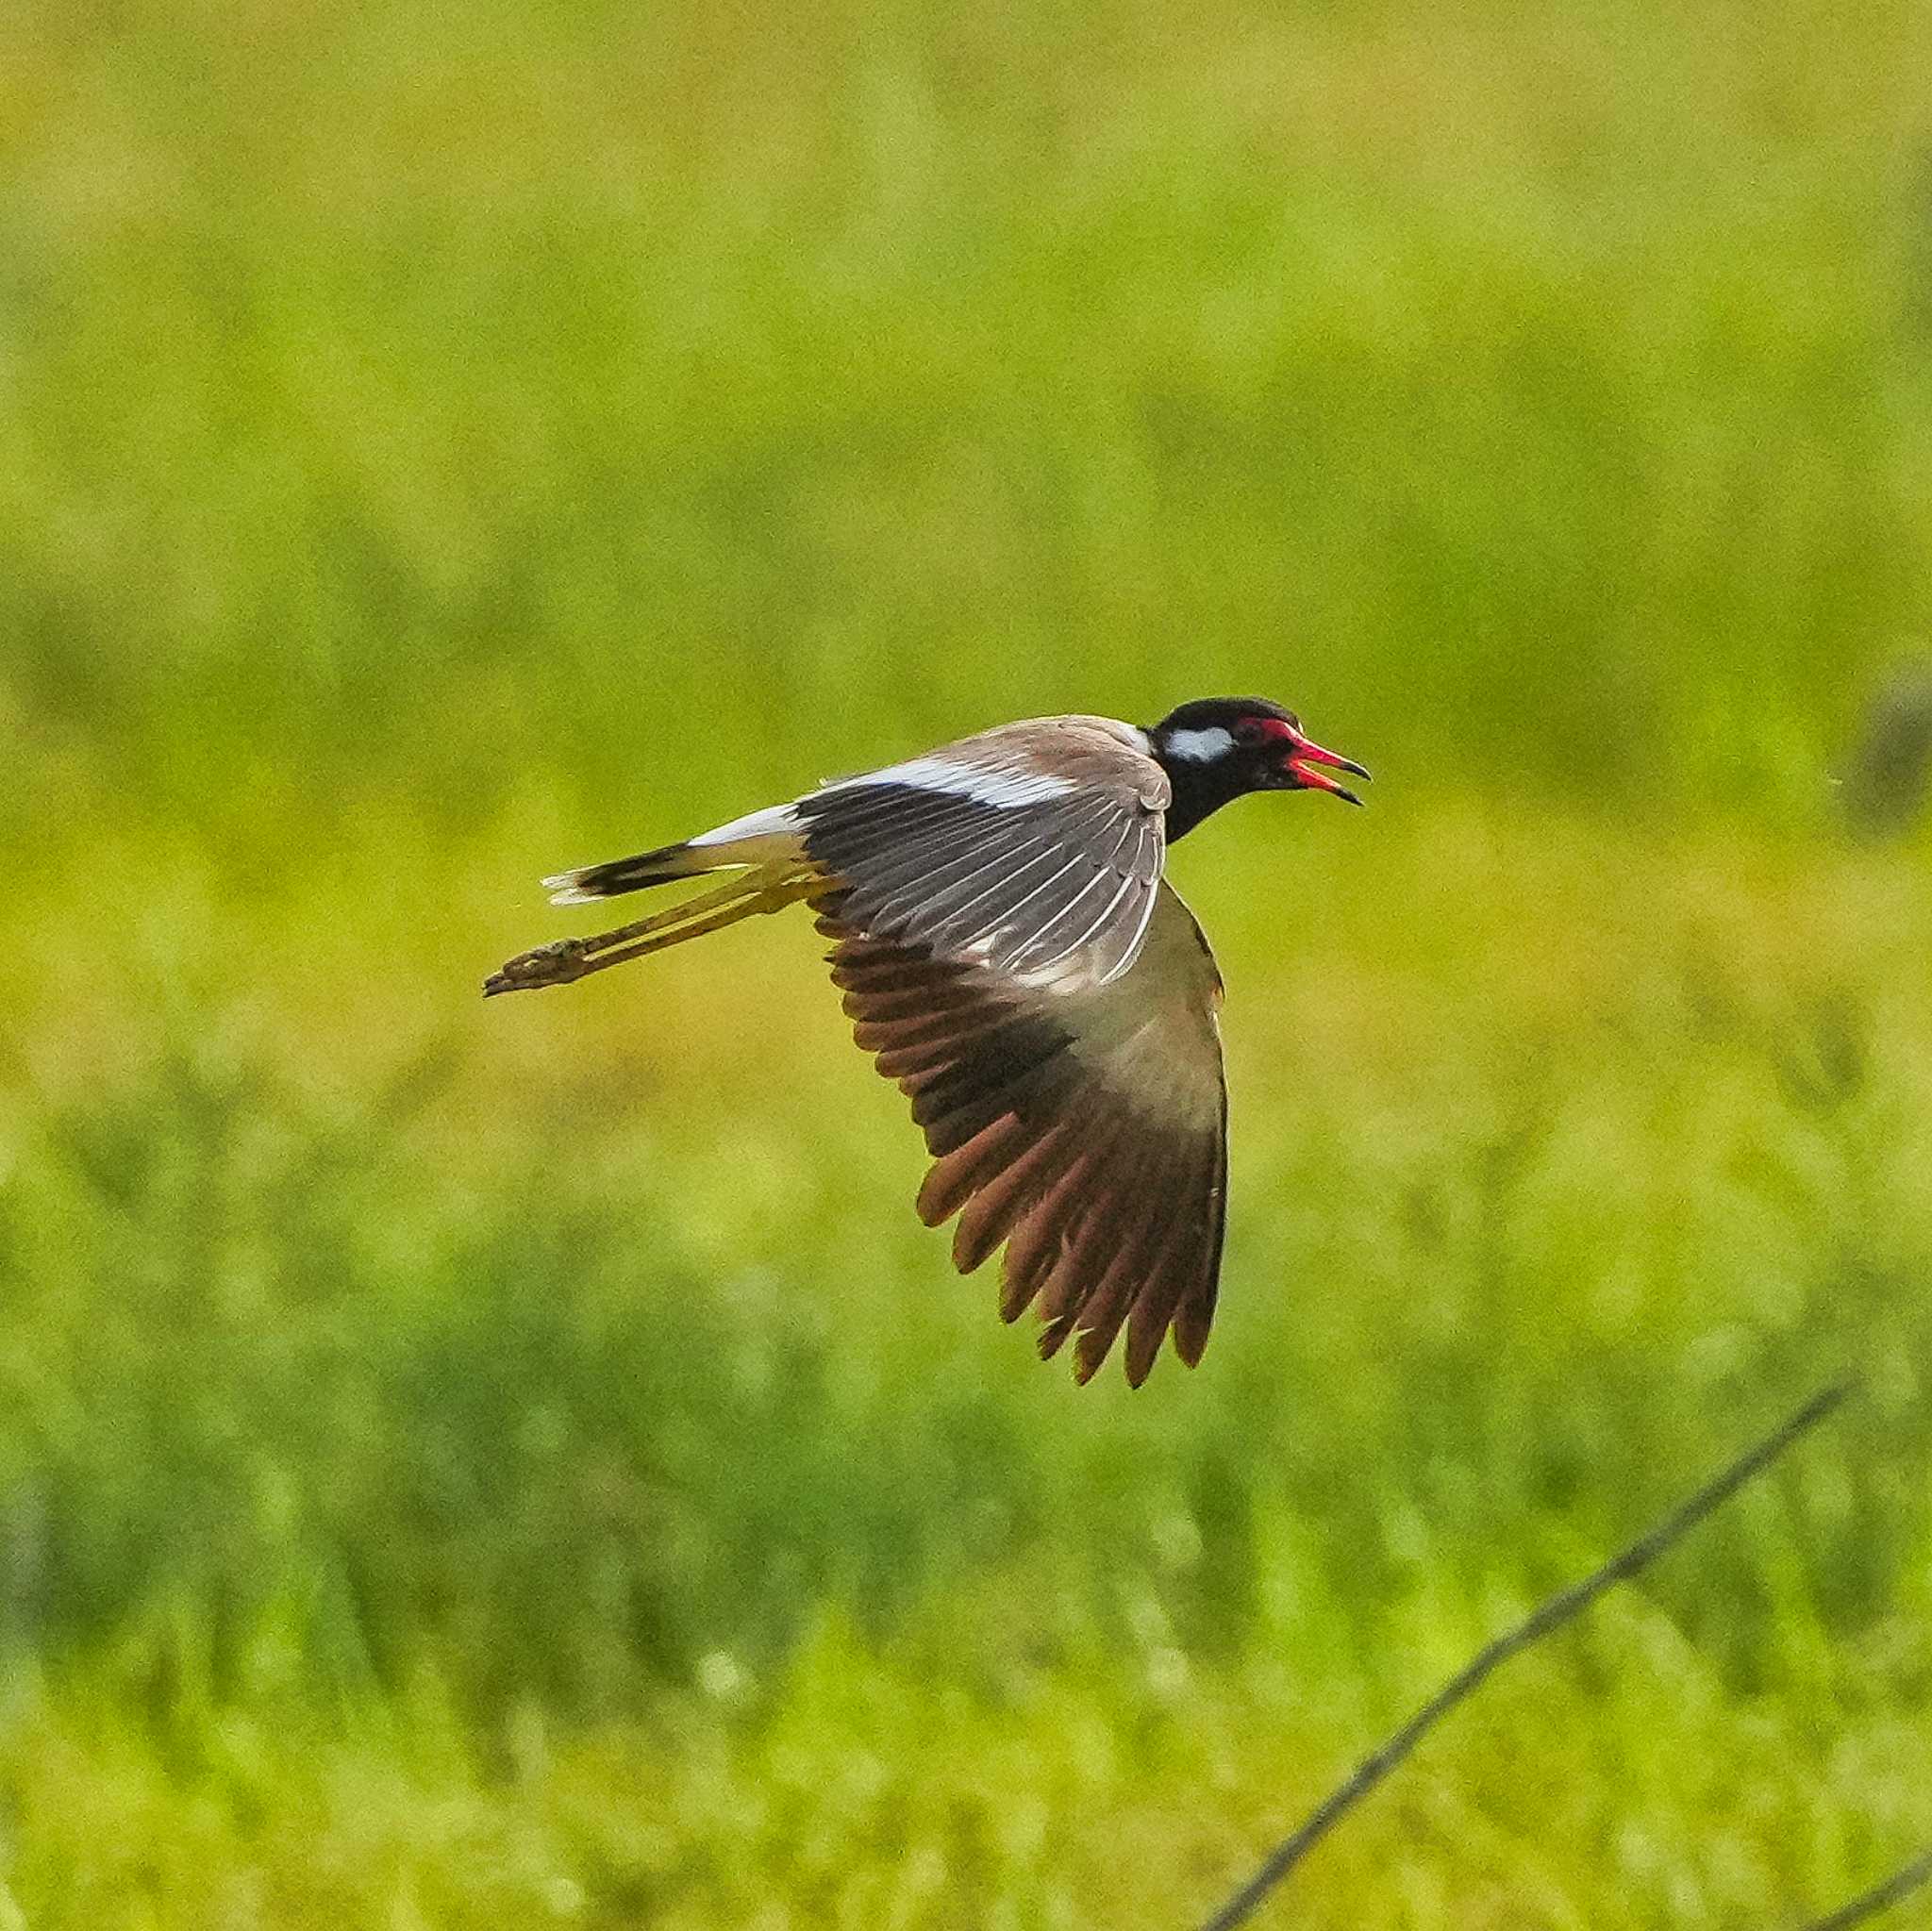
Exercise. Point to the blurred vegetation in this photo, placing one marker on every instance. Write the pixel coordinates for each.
(471, 1467)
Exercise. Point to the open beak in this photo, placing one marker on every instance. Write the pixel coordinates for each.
(1309, 766)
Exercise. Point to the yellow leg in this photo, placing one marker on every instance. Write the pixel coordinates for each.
(567, 960)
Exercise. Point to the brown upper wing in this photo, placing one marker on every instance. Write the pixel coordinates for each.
(1031, 849)
(1079, 1118)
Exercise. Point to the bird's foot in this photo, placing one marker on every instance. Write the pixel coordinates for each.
(556, 964)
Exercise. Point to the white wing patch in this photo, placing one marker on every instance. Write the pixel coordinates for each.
(774, 820)
(985, 784)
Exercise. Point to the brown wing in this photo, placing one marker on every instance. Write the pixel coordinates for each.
(1081, 1120)
(1023, 849)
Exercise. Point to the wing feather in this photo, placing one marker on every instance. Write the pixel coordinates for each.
(1133, 1237)
(951, 1179)
(1169, 1270)
(1078, 1118)
(1018, 849)
(1002, 1200)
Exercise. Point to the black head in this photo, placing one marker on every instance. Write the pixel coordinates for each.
(1219, 748)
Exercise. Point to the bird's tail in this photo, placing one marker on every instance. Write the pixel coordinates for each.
(618, 876)
(771, 869)
(762, 839)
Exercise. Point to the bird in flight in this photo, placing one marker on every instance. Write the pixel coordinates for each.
(1011, 956)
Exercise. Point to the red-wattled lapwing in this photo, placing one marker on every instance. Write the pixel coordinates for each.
(1011, 956)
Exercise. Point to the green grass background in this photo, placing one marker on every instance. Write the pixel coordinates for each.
(507, 1466)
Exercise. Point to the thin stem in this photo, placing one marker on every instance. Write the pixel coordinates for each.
(1896, 1889)
(1559, 1609)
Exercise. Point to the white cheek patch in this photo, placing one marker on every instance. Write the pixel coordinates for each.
(1200, 747)
(983, 784)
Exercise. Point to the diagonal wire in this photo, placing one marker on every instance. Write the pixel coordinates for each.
(1895, 1889)
(1549, 1615)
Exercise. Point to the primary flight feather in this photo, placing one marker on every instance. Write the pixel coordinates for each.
(1010, 954)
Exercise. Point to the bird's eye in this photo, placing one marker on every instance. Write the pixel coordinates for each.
(1247, 731)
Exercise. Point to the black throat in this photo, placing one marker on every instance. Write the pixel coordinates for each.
(1201, 787)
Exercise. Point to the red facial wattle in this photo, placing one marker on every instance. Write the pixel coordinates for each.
(1309, 765)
